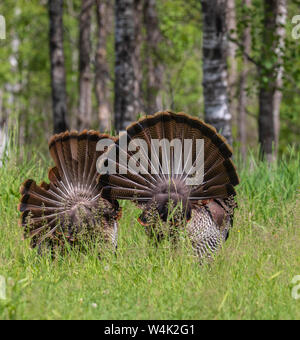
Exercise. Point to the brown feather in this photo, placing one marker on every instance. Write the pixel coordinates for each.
(219, 172)
(72, 200)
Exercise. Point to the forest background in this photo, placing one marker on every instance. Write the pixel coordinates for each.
(101, 64)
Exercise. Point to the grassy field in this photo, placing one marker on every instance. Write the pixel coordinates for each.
(251, 277)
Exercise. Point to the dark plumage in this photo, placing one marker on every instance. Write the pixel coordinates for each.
(71, 205)
(205, 210)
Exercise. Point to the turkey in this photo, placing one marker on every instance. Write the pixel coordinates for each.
(178, 181)
(70, 207)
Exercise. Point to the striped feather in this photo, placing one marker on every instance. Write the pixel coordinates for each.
(59, 210)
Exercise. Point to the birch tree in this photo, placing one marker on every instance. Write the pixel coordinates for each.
(101, 65)
(215, 74)
(231, 54)
(58, 77)
(137, 59)
(242, 104)
(275, 12)
(154, 67)
(124, 105)
(281, 17)
(85, 75)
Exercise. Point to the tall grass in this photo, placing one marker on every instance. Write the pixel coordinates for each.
(249, 278)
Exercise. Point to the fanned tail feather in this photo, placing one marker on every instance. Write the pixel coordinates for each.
(168, 183)
(60, 210)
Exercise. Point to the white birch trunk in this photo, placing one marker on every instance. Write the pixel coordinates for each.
(270, 91)
(104, 13)
(242, 132)
(85, 74)
(3, 142)
(215, 74)
(281, 18)
(231, 54)
(124, 107)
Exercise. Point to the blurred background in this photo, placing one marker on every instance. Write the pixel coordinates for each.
(101, 64)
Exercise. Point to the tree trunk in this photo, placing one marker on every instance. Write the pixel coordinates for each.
(124, 106)
(102, 67)
(271, 77)
(246, 43)
(138, 70)
(3, 130)
(154, 68)
(85, 76)
(231, 53)
(215, 66)
(3, 141)
(281, 17)
(58, 77)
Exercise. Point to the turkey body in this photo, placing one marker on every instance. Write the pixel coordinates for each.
(79, 203)
(70, 208)
(209, 226)
(173, 200)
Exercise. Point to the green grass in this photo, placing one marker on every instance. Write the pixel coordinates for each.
(249, 279)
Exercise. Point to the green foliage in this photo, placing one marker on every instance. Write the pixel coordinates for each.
(180, 24)
(24, 62)
(27, 43)
(25, 65)
(265, 63)
(289, 113)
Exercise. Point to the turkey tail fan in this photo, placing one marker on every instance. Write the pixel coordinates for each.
(159, 172)
(70, 205)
